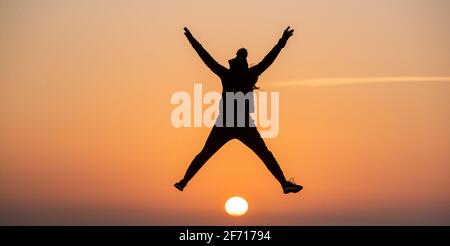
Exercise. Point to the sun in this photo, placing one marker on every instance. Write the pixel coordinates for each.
(236, 206)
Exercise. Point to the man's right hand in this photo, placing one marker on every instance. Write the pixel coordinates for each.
(188, 33)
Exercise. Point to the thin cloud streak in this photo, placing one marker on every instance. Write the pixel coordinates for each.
(359, 80)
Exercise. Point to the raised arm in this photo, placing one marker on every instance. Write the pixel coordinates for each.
(204, 55)
(259, 68)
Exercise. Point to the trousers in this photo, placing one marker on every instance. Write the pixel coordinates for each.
(247, 135)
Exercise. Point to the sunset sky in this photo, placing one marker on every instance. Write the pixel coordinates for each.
(86, 136)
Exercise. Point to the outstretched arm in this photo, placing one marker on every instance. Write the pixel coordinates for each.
(270, 57)
(204, 55)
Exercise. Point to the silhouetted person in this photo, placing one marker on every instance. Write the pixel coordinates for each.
(238, 78)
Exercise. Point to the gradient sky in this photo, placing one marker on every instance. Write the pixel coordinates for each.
(86, 137)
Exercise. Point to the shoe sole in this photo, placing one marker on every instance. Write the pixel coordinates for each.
(178, 187)
(292, 190)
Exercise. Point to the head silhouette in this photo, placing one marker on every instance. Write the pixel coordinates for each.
(242, 52)
(239, 63)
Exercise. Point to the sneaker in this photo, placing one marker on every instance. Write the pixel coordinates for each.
(291, 186)
(180, 185)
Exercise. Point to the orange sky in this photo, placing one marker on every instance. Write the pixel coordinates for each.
(86, 137)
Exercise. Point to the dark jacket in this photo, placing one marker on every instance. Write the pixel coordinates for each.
(237, 81)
